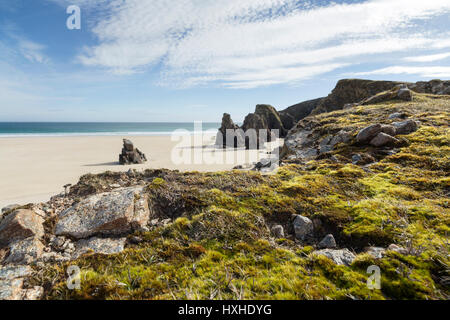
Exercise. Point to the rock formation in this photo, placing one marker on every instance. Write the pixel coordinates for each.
(229, 134)
(130, 154)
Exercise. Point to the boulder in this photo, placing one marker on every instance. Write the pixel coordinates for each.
(327, 242)
(19, 225)
(303, 227)
(405, 94)
(99, 245)
(383, 139)
(278, 231)
(25, 251)
(131, 155)
(368, 133)
(405, 127)
(340, 257)
(397, 115)
(118, 212)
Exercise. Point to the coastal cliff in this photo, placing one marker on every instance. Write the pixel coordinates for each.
(363, 181)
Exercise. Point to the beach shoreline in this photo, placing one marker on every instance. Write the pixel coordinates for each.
(35, 168)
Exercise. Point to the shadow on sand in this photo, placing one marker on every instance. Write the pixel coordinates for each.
(116, 163)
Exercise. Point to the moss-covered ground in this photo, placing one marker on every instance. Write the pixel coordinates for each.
(219, 245)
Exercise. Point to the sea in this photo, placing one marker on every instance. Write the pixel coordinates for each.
(43, 129)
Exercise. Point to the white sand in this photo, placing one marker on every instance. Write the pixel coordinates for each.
(33, 169)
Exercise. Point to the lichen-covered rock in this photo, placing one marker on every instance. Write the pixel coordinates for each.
(11, 282)
(368, 133)
(118, 212)
(25, 251)
(376, 252)
(340, 257)
(327, 242)
(405, 94)
(383, 139)
(303, 227)
(99, 245)
(278, 231)
(405, 127)
(20, 224)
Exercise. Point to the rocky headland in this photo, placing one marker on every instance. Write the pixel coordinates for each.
(363, 181)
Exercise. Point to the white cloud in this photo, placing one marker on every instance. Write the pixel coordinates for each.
(428, 58)
(250, 43)
(32, 51)
(425, 72)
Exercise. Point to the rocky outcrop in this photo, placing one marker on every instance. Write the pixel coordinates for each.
(293, 114)
(235, 137)
(130, 154)
(113, 213)
(352, 91)
(258, 127)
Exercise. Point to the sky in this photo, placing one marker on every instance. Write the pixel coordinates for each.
(193, 60)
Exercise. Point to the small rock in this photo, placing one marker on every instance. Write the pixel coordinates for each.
(278, 231)
(397, 115)
(405, 127)
(33, 294)
(114, 185)
(19, 225)
(303, 227)
(135, 239)
(356, 158)
(327, 242)
(263, 163)
(383, 139)
(376, 252)
(368, 133)
(98, 245)
(398, 249)
(405, 94)
(340, 257)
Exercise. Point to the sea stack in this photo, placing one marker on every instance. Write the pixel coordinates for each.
(130, 154)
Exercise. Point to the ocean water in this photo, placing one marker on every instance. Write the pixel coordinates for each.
(24, 129)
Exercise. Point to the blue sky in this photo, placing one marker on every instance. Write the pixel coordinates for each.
(192, 60)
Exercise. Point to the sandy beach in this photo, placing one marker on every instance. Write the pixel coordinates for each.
(32, 169)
